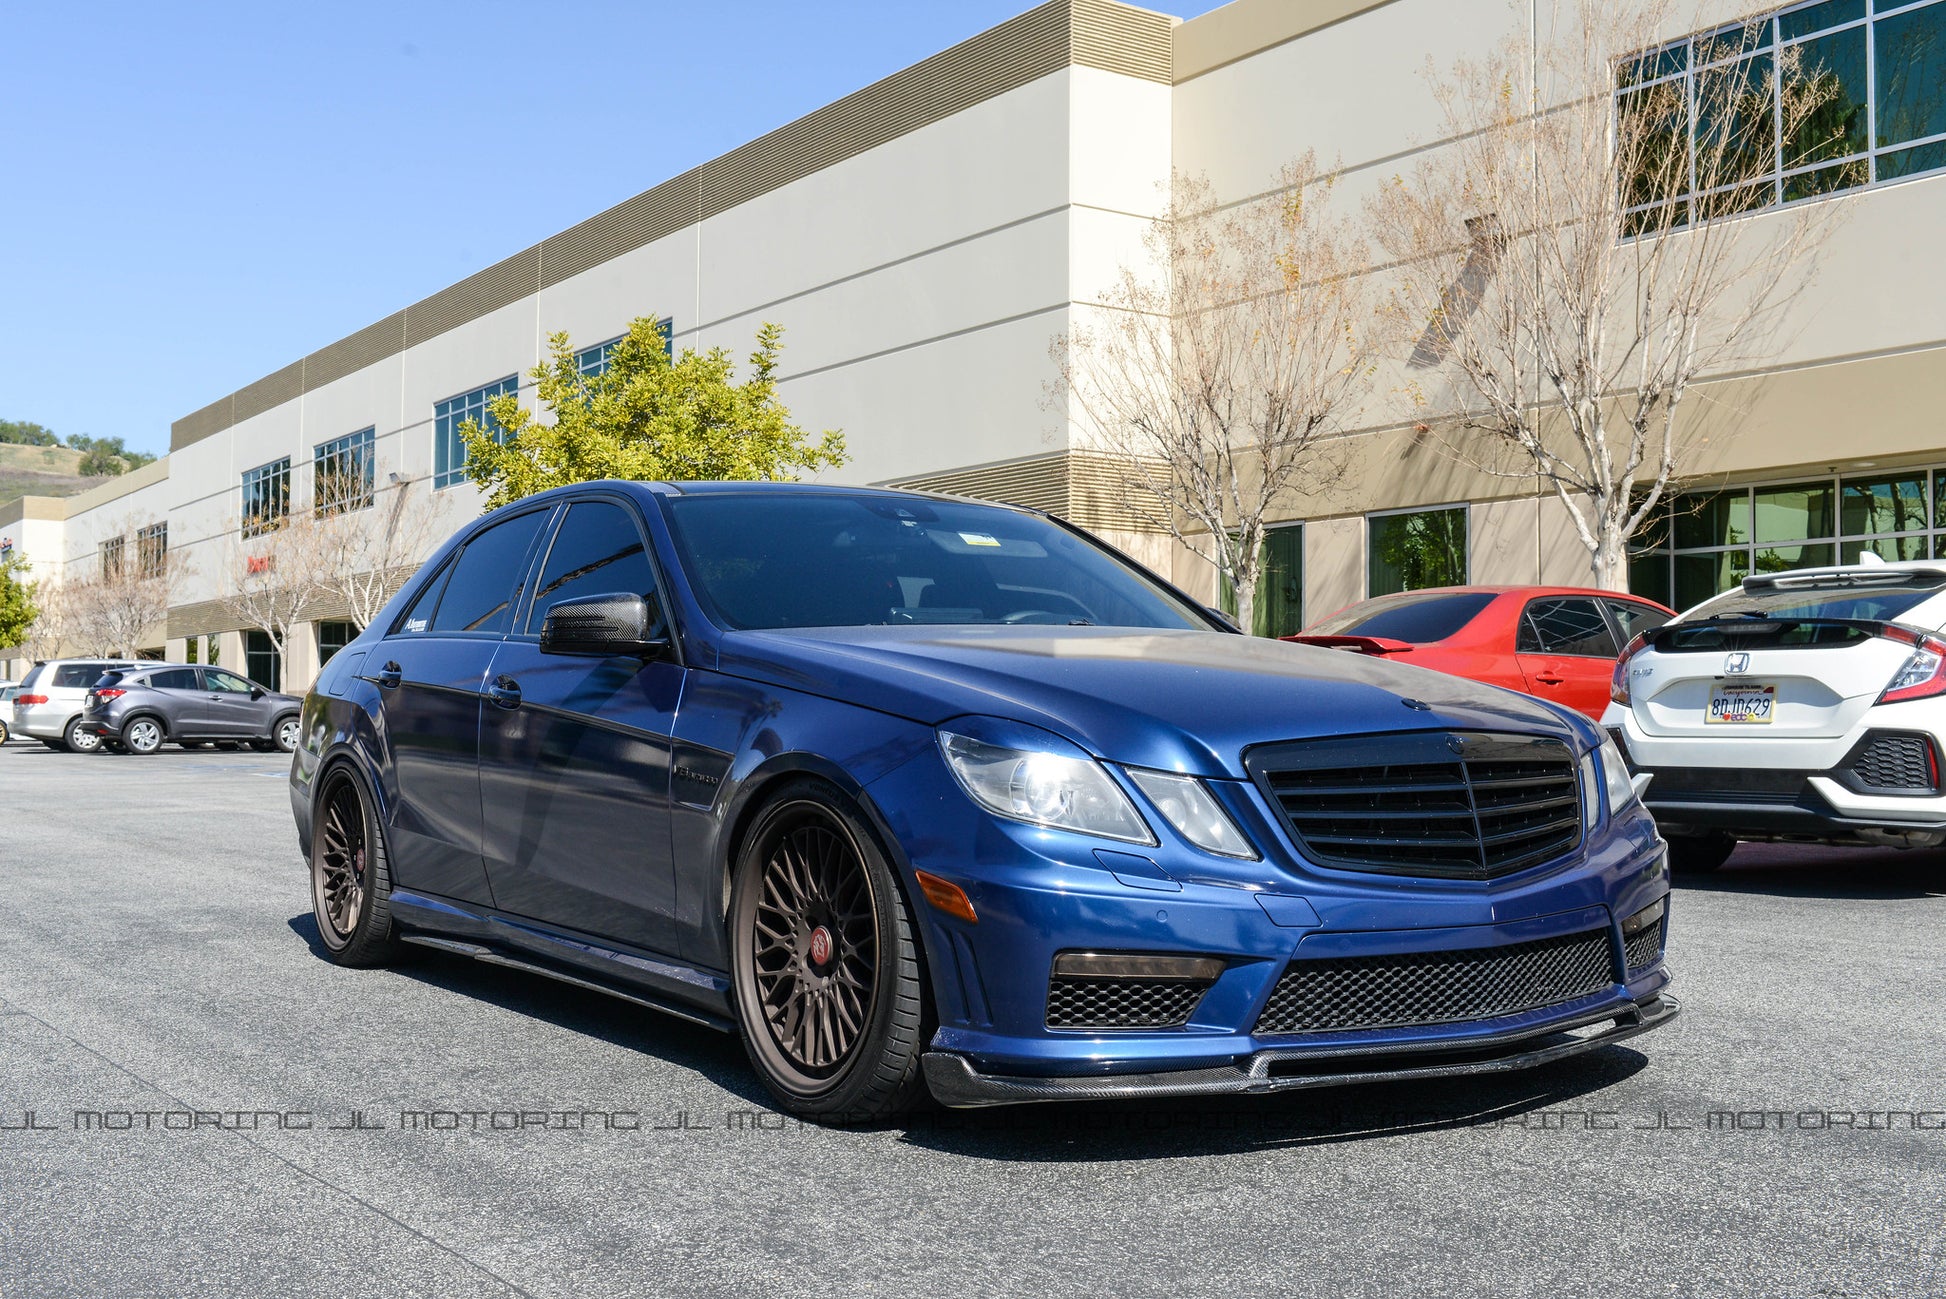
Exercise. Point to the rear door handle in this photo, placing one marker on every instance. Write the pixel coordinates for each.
(505, 692)
(1549, 680)
(390, 675)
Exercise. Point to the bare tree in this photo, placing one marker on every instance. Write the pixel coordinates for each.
(48, 633)
(281, 576)
(1582, 247)
(1220, 367)
(374, 542)
(117, 609)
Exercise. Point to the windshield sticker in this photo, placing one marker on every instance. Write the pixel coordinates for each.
(978, 539)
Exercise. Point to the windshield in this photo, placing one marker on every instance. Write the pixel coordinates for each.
(1418, 619)
(764, 561)
(1869, 599)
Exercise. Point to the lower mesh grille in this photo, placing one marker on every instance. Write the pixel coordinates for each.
(1895, 762)
(1642, 947)
(1437, 987)
(1122, 1003)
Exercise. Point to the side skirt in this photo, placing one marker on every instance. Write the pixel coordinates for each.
(685, 991)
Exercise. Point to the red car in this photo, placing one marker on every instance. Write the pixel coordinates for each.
(1554, 642)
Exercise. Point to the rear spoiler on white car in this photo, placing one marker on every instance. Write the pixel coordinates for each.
(1871, 572)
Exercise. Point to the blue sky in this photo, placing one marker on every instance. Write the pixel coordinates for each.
(201, 193)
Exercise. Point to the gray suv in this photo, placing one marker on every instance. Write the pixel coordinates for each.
(138, 707)
(51, 697)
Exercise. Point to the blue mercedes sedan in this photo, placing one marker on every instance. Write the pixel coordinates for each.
(917, 793)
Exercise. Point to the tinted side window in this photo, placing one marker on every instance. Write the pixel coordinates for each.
(418, 618)
(598, 551)
(484, 584)
(1570, 626)
(1634, 619)
(78, 676)
(173, 679)
(227, 682)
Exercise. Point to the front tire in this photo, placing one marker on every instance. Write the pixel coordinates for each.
(284, 733)
(1699, 854)
(829, 991)
(351, 876)
(143, 736)
(79, 741)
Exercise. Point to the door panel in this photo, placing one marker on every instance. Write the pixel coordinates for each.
(574, 761)
(574, 789)
(228, 710)
(1566, 650)
(430, 724)
(180, 694)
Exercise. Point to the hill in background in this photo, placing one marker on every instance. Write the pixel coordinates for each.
(42, 471)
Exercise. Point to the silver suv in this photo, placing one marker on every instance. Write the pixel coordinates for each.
(52, 698)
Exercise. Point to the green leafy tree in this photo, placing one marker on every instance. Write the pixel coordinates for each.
(646, 416)
(106, 456)
(17, 607)
(22, 432)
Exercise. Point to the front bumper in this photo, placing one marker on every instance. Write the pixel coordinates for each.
(955, 1080)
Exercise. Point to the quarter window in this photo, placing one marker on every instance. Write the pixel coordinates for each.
(448, 449)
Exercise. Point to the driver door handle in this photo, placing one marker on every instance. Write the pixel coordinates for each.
(505, 691)
(389, 676)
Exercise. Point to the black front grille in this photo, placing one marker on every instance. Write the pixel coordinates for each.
(1411, 988)
(1456, 806)
(1122, 1003)
(1895, 761)
(1641, 948)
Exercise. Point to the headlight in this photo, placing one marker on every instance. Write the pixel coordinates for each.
(1187, 804)
(1604, 775)
(1041, 788)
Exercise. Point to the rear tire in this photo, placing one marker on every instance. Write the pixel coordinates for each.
(143, 736)
(828, 986)
(76, 740)
(1699, 854)
(351, 876)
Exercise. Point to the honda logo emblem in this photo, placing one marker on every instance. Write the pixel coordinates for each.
(1736, 664)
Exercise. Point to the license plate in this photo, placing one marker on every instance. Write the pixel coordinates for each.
(1741, 705)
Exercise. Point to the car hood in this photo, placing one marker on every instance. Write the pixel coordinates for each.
(1176, 700)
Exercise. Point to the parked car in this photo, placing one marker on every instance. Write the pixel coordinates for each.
(1806, 706)
(8, 690)
(52, 697)
(139, 707)
(913, 791)
(1557, 643)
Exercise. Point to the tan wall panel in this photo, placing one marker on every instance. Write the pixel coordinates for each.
(1503, 542)
(1334, 565)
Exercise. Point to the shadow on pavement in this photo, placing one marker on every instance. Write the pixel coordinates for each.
(715, 1055)
(1822, 871)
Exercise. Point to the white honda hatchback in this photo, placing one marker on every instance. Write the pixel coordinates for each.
(1808, 705)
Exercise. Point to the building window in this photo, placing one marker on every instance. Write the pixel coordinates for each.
(1414, 549)
(1703, 543)
(266, 496)
(591, 361)
(332, 637)
(261, 661)
(111, 557)
(1279, 610)
(1884, 118)
(342, 473)
(152, 550)
(448, 451)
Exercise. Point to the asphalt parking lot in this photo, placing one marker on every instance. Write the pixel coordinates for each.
(193, 1101)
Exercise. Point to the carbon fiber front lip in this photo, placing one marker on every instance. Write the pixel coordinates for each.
(954, 1081)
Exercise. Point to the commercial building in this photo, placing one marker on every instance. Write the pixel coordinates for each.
(925, 240)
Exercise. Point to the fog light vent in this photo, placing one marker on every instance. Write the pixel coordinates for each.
(1106, 990)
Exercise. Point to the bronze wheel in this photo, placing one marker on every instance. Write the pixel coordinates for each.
(351, 885)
